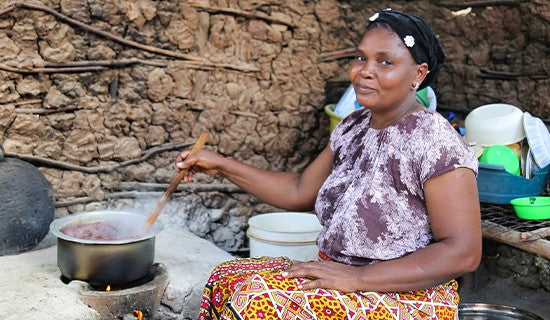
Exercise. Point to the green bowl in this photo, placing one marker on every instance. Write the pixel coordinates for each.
(502, 155)
(532, 208)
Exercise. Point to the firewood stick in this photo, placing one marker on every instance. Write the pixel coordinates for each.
(499, 233)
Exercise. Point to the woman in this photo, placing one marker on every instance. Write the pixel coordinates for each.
(394, 189)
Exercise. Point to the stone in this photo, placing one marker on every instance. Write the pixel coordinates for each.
(51, 150)
(156, 135)
(8, 48)
(181, 34)
(80, 146)
(102, 52)
(23, 30)
(19, 145)
(55, 98)
(159, 85)
(76, 9)
(126, 148)
(148, 9)
(29, 86)
(8, 93)
(531, 281)
(63, 53)
(328, 12)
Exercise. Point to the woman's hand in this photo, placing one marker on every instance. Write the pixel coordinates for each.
(325, 274)
(203, 161)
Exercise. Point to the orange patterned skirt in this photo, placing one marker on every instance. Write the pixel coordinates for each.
(253, 288)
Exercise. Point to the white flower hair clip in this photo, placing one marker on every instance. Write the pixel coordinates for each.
(409, 41)
(374, 16)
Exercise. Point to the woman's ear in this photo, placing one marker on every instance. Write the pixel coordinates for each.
(421, 72)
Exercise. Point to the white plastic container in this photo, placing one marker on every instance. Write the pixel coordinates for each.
(494, 124)
(290, 234)
(346, 104)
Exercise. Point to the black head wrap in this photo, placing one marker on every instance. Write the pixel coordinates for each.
(417, 36)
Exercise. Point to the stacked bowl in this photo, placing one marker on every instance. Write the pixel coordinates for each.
(507, 166)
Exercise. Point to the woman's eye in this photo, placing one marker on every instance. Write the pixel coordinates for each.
(385, 62)
(360, 58)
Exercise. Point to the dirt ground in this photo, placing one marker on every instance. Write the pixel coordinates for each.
(484, 287)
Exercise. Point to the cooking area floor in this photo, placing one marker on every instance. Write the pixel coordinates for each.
(32, 287)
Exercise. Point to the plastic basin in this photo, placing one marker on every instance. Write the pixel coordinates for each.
(290, 234)
(334, 118)
(496, 185)
(532, 208)
(494, 124)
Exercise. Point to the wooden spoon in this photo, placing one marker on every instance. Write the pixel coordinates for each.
(174, 183)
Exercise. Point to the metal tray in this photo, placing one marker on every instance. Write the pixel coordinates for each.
(483, 311)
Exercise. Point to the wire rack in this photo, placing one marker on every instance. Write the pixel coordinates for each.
(504, 215)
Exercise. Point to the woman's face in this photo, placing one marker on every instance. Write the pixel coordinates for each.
(383, 70)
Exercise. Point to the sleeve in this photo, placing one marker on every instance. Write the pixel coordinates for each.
(446, 150)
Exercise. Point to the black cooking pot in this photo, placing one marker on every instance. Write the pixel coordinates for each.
(102, 262)
(27, 205)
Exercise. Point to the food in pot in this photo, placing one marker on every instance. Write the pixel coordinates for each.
(110, 230)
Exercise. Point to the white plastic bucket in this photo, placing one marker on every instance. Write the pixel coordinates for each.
(290, 234)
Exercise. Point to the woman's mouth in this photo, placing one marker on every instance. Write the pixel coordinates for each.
(361, 89)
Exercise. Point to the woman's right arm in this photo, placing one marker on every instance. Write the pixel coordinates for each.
(286, 190)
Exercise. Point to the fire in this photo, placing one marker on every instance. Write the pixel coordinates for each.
(138, 314)
(108, 288)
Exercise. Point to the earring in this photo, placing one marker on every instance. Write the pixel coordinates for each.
(415, 86)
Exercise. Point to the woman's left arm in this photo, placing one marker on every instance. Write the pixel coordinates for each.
(453, 208)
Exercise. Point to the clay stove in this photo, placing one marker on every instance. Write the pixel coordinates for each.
(139, 299)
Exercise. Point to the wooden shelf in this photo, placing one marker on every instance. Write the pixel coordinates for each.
(500, 223)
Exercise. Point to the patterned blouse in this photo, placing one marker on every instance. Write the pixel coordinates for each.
(372, 205)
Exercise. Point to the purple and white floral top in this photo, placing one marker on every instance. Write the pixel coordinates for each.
(372, 205)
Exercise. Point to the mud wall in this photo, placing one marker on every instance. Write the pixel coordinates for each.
(103, 115)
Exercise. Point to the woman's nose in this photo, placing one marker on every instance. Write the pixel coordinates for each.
(366, 70)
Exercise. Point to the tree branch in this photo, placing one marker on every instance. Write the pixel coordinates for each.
(102, 65)
(338, 54)
(52, 70)
(247, 14)
(480, 3)
(108, 63)
(40, 161)
(44, 111)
